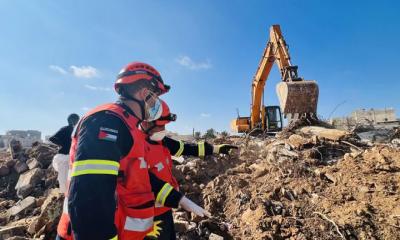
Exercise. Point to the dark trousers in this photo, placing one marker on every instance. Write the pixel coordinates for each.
(167, 225)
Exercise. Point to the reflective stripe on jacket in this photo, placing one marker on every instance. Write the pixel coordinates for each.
(135, 200)
(160, 161)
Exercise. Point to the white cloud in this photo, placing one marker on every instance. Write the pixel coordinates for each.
(84, 71)
(85, 109)
(58, 69)
(205, 115)
(187, 62)
(94, 88)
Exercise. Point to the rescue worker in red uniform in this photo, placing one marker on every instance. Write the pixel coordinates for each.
(111, 193)
(158, 155)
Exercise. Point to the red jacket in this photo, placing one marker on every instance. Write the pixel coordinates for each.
(160, 162)
(135, 199)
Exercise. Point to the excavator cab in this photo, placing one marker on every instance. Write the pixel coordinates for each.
(271, 122)
(273, 119)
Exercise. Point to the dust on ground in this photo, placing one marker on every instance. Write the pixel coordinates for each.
(308, 182)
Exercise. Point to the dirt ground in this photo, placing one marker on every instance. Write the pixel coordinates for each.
(298, 187)
(300, 184)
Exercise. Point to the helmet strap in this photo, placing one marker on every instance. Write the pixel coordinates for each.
(141, 103)
(149, 129)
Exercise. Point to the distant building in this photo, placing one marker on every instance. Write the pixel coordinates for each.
(375, 115)
(372, 117)
(25, 137)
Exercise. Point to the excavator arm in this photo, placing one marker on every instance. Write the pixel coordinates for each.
(296, 96)
(264, 68)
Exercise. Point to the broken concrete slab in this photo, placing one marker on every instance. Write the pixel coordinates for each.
(43, 154)
(15, 148)
(20, 167)
(33, 163)
(288, 153)
(214, 236)
(32, 228)
(296, 141)
(376, 135)
(27, 182)
(21, 238)
(321, 132)
(4, 170)
(10, 163)
(50, 212)
(183, 226)
(22, 205)
(8, 232)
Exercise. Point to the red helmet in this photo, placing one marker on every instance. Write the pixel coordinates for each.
(166, 115)
(137, 71)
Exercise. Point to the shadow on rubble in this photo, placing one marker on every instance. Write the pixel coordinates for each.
(193, 176)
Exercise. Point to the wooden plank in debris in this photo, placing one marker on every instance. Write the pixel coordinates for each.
(331, 134)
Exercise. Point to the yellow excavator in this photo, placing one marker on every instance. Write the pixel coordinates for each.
(297, 97)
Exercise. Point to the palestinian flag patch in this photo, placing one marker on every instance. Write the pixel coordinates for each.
(108, 134)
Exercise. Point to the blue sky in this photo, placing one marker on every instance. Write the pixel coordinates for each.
(58, 57)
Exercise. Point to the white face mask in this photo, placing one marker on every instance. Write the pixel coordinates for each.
(158, 136)
(154, 112)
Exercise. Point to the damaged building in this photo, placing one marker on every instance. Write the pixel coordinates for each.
(376, 118)
(26, 138)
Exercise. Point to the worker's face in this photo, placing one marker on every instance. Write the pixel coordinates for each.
(157, 129)
(146, 95)
(149, 125)
(157, 134)
(151, 103)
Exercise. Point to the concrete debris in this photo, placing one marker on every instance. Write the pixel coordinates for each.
(297, 142)
(50, 213)
(22, 205)
(321, 132)
(30, 203)
(27, 181)
(11, 163)
(42, 153)
(214, 236)
(4, 170)
(396, 142)
(184, 226)
(15, 148)
(273, 188)
(22, 238)
(20, 167)
(281, 187)
(9, 232)
(33, 163)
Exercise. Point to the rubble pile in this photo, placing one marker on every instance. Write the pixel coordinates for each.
(311, 182)
(308, 182)
(30, 204)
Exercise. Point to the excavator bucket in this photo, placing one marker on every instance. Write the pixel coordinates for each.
(298, 97)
